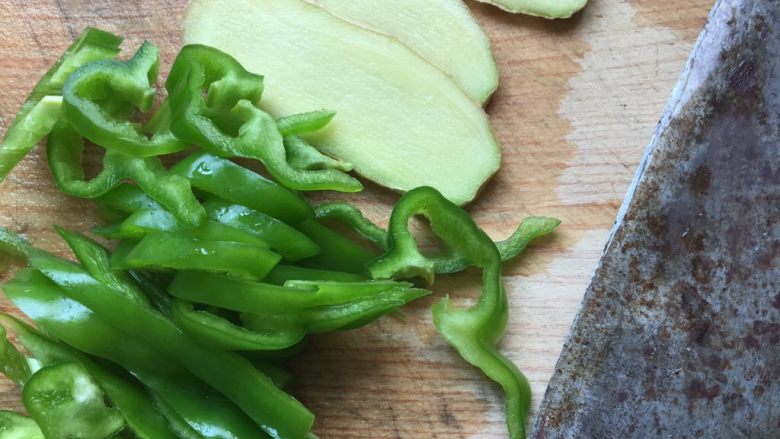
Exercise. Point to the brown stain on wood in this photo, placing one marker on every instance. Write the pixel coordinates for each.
(684, 18)
(396, 378)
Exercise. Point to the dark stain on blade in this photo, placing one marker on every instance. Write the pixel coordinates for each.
(679, 332)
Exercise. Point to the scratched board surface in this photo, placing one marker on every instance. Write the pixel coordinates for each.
(577, 105)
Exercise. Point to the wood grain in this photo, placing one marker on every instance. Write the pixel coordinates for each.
(577, 104)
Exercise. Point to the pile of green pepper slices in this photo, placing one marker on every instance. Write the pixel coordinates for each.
(217, 268)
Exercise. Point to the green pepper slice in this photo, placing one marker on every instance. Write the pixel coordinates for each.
(474, 331)
(274, 411)
(129, 84)
(233, 93)
(15, 426)
(169, 250)
(283, 273)
(44, 302)
(292, 244)
(65, 402)
(302, 155)
(304, 123)
(13, 364)
(239, 185)
(337, 253)
(309, 306)
(172, 191)
(144, 221)
(42, 108)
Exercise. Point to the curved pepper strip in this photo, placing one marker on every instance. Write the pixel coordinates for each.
(277, 413)
(303, 123)
(16, 426)
(130, 83)
(13, 364)
(530, 229)
(219, 332)
(474, 331)
(224, 334)
(42, 108)
(351, 215)
(451, 262)
(233, 93)
(45, 302)
(66, 402)
(64, 151)
(239, 185)
(301, 155)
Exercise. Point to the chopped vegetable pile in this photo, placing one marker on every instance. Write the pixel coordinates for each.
(218, 274)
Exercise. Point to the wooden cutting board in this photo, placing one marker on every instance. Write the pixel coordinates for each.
(578, 102)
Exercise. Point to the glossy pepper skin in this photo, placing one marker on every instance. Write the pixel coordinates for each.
(13, 364)
(42, 108)
(351, 215)
(66, 402)
(144, 221)
(285, 314)
(231, 182)
(65, 147)
(44, 301)
(16, 426)
(277, 413)
(292, 244)
(474, 331)
(99, 97)
(450, 262)
(161, 250)
(228, 122)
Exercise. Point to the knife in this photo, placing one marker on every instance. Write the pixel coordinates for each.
(678, 335)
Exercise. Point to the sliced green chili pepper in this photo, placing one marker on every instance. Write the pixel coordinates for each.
(304, 123)
(13, 364)
(283, 273)
(311, 306)
(127, 198)
(336, 252)
(287, 241)
(201, 69)
(475, 331)
(42, 108)
(16, 426)
(274, 411)
(222, 333)
(200, 408)
(43, 301)
(66, 403)
(144, 221)
(128, 84)
(94, 258)
(301, 155)
(239, 185)
(172, 191)
(169, 250)
(341, 211)
(176, 422)
(117, 259)
(530, 229)
(274, 370)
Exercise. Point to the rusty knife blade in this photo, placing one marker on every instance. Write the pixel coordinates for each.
(679, 332)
